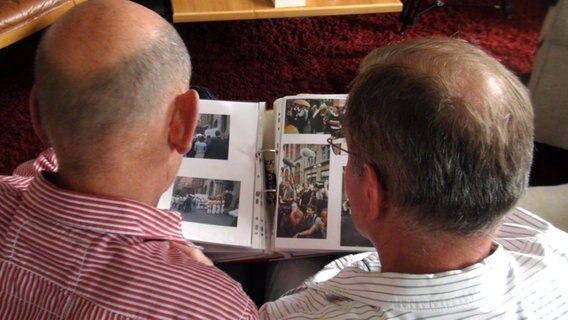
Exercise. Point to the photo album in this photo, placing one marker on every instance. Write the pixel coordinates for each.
(265, 184)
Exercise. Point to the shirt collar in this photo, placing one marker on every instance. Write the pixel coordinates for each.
(483, 283)
(101, 213)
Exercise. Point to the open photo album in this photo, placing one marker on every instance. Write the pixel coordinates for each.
(266, 184)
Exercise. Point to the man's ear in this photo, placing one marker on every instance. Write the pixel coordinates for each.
(36, 119)
(375, 193)
(183, 121)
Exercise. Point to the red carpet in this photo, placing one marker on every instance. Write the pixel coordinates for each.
(261, 60)
(266, 59)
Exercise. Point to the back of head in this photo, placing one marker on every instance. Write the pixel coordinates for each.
(103, 72)
(449, 130)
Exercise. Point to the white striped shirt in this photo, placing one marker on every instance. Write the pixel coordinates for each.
(68, 255)
(526, 277)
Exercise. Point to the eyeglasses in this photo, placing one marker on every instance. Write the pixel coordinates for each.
(335, 141)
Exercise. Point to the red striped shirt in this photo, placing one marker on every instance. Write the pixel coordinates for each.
(70, 255)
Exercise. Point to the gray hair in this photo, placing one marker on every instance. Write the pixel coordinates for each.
(448, 129)
(92, 108)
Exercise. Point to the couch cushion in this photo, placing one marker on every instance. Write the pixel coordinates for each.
(549, 203)
(20, 18)
(549, 79)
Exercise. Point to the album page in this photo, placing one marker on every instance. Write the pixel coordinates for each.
(313, 211)
(214, 190)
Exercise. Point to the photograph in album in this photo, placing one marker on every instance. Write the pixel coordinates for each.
(211, 137)
(350, 237)
(303, 191)
(275, 195)
(313, 116)
(215, 188)
(207, 201)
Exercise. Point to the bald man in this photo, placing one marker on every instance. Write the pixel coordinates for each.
(80, 236)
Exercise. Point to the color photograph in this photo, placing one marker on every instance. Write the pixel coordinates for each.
(207, 201)
(303, 191)
(350, 237)
(314, 116)
(211, 138)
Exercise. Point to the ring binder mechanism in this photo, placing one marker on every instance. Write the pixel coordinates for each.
(258, 193)
(278, 165)
(268, 150)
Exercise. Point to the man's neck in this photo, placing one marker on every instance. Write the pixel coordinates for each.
(118, 183)
(425, 253)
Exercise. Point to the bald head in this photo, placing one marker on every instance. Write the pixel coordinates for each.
(104, 72)
(100, 34)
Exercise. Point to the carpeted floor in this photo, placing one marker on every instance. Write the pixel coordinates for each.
(261, 60)
(266, 59)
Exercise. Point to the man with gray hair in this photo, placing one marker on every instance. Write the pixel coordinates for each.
(439, 138)
(80, 236)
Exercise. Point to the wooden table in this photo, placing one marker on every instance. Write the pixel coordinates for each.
(216, 10)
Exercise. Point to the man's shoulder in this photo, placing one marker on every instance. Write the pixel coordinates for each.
(315, 220)
(522, 224)
(309, 301)
(11, 190)
(186, 285)
(314, 304)
(13, 184)
(527, 236)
